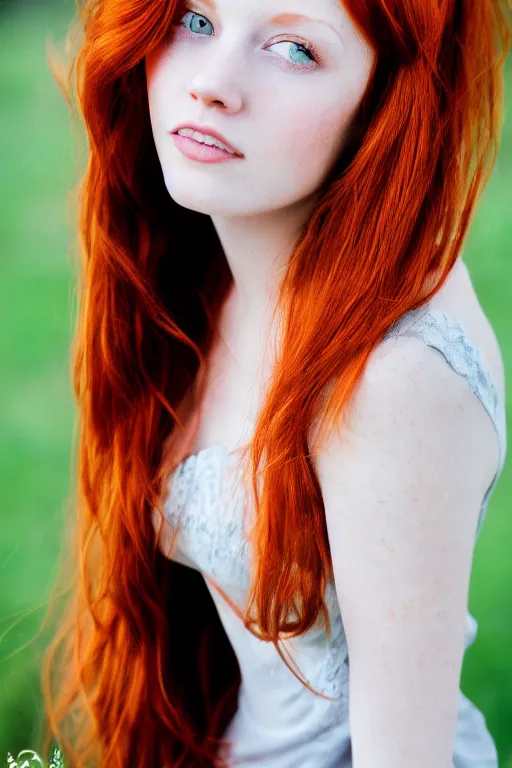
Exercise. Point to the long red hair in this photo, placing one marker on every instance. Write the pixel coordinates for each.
(140, 671)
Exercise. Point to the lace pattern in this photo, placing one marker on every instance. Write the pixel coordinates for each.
(210, 509)
(446, 333)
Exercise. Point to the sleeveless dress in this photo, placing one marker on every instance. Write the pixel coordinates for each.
(279, 723)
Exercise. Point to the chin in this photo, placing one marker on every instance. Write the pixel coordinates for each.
(208, 208)
(207, 203)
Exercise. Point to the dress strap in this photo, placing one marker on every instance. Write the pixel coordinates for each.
(448, 335)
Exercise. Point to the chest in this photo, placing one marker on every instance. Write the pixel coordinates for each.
(238, 374)
(241, 359)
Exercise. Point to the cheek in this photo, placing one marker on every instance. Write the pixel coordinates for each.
(316, 135)
(160, 85)
(153, 88)
(319, 116)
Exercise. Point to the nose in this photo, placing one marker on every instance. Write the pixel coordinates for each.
(215, 82)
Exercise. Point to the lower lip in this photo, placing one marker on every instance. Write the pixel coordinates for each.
(202, 152)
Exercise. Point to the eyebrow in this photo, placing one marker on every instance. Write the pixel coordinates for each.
(288, 19)
(293, 19)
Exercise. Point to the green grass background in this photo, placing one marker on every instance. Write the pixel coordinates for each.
(37, 170)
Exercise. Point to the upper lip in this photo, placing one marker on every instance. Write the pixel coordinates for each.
(210, 132)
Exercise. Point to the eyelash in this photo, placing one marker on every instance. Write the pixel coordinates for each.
(309, 50)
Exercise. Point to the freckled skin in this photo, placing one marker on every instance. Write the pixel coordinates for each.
(289, 120)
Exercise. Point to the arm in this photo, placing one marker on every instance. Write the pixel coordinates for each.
(402, 489)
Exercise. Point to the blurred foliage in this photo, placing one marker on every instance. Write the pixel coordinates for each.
(37, 170)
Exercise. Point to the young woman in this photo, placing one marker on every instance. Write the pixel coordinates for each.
(291, 401)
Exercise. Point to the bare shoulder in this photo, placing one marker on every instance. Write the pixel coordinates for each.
(410, 395)
(412, 413)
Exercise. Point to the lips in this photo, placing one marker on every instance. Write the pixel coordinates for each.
(210, 132)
